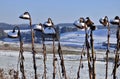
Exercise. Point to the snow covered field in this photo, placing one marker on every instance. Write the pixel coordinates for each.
(9, 59)
(77, 39)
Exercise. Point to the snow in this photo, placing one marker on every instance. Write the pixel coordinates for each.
(38, 27)
(77, 23)
(13, 34)
(26, 30)
(48, 24)
(77, 39)
(9, 60)
(101, 19)
(114, 20)
(49, 30)
(10, 40)
(25, 16)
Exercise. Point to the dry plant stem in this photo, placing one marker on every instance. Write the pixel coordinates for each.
(117, 54)
(54, 59)
(108, 51)
(64, 75)
(59, 72)
(115, 66)
(62, 61)
(93, 55)
(16, 75)
(18, 62)
(22, 61)
(44, 53)
(78, 73)
(88, 54)
(33, 50)
(21, 57)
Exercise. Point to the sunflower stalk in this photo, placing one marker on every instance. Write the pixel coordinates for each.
(80, 63)
(116, 65)
(108, 51)
(44, 53)
(93, 55)
(33, 50)
(62, 60)
(63, 70)
(88, 54)
(54, 59)
(22, 61)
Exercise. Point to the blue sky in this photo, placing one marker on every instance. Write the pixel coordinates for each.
(61, 11)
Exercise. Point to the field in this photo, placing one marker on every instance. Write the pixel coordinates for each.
(9, 60)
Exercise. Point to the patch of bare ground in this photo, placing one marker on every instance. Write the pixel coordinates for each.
(39, 48)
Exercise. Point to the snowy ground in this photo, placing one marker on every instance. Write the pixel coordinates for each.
(76, 39)
(9, 60)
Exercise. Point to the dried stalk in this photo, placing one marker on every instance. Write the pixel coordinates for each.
(93, 55)
(108, 51)
(93, 59)
(62, 61)
(21, 57)
(88, 54)
(32, 38)
(54, 59)
(63, 70)
(33, 50)
(80, 64)
(22, 61)
(105, 22)
(44, 53)
(117, 54)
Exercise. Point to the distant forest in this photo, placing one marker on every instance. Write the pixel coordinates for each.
(5, 26)
(61, 26)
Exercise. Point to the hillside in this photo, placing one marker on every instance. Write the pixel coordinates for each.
(69, 34)
(6, 26)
